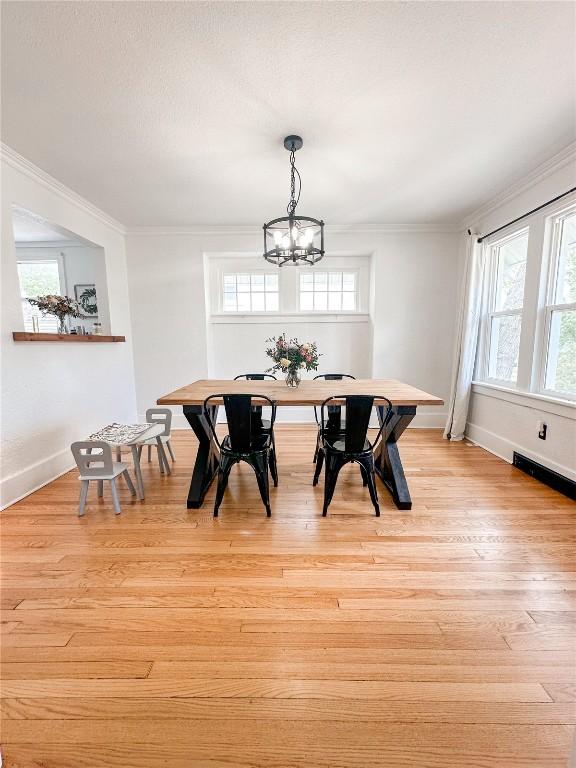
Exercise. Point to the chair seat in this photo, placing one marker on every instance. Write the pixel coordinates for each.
(331, 428)
(340, 445)
(117, 468)
(258, 443)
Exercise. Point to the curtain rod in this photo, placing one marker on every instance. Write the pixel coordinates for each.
(524, 215)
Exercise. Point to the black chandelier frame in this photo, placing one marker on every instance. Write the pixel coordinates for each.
(294, 239)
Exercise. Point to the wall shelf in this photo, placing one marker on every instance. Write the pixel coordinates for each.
(65, 337)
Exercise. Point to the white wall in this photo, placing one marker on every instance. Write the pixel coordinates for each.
(409, 334)
(53, 394)
(505, 422)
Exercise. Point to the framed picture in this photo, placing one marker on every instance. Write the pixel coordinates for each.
(85, 295)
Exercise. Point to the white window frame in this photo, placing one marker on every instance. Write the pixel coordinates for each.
(334, 270)
(550, 306)
(489, 313)
(226, 272)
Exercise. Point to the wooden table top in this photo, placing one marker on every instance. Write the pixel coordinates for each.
(308, 393)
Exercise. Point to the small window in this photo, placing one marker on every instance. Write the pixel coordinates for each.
(250, 292)
(38, 278)
(508, 268)
(328, 291)
(560, 365)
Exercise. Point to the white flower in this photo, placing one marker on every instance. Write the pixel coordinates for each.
(302, 365)
(284, 362)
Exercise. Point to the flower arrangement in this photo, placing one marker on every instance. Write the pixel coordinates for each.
(290, 356)
(60, 306)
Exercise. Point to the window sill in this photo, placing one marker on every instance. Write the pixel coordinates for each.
(63, 337)
(559, 406)
(233, 318)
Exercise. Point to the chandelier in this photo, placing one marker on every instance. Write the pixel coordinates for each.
(293, 239)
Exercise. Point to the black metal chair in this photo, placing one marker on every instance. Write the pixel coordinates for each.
(334, 422)
(351, 445)
(257, 409)
(245, 441)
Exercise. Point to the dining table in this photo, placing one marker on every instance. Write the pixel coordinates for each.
(405, 400)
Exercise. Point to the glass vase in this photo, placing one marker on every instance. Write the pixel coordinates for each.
(62, 324)
(292, 377)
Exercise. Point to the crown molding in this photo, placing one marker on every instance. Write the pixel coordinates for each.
(15, 160)
(552, 165)
(256, 229)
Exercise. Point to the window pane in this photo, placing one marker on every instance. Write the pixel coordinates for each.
(504, 347)
(258, 302)
(38, 278)
(257, 282)
(306, 301)
(320, 300)
(229, 304)
(561, 365)
(243, 302)
(335, 281)
(229, 282)
(510, 274)
(272, 302)
(349, 281)
(320, 281)
(566, 276)
(271, 282)
(307, 281)
(243, 282)
(349, 301)
(335, 300)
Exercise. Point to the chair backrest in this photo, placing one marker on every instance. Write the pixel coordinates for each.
(334, 411)
(358, 413)
(243, 424)
(255, 376)
(160, 416)
(93, 457)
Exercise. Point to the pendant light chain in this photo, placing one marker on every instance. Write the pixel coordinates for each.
(291, 207)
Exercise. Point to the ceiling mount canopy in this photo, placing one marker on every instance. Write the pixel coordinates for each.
(293, 239)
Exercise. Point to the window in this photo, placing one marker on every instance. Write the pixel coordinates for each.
(328, 291)
(504, 320)
(560, 311)
(250, 292)
(38, 278)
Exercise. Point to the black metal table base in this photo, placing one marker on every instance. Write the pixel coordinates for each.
(207, 457)
(388, 465)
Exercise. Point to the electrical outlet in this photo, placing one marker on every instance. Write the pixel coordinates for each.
(542, 429)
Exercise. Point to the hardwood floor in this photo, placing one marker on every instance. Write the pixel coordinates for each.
(440, 637)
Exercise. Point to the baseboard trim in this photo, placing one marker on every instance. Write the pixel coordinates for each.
(505, 449)
(21, 484)
(544, 475)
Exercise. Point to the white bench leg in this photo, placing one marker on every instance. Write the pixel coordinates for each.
(169, 444)
(129, 482)
(149, 453)
(162, 460)
(83, 495)
(115, 499)
(136, 453)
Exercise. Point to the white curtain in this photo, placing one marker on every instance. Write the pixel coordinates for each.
(467, 338)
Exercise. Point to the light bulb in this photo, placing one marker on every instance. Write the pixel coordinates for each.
(285, 241)
(309, 235)
(277, 237)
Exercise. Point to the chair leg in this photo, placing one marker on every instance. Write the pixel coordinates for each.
(226, 465)
(334, 464)
(319, 463)
(100, 488)
(139, 451)
(364, 476)
(160, 459)
(83, 495)
(316, 450)
(115, 499)
(368, 467)
(149, 453)
(169, 444)
(260, 467)
(273, 465)
(129, 483)
(118, 454)
(162, 456)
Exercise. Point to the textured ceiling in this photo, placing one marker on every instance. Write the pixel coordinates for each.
(165, 113)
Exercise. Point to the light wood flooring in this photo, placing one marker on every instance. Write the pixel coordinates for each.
(442, 637)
